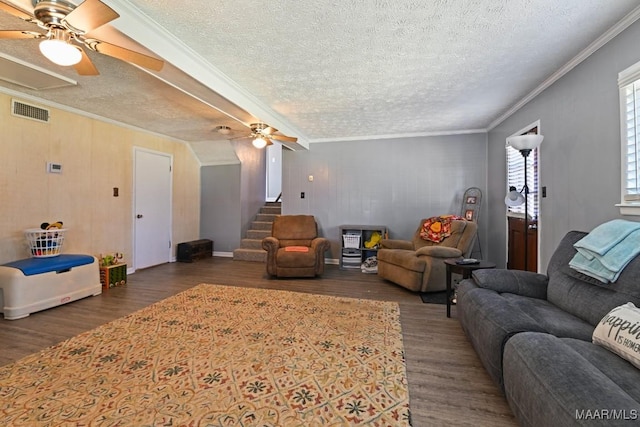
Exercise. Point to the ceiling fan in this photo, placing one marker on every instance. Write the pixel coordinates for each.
(66, 25)
(264, 135)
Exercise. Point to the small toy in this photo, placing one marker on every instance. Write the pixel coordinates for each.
(47, 226)
(107, 260)
(374, 241)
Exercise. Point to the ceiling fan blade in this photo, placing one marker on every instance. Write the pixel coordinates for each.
(284, 138)
(125, 54)
(269, 130)
(90, 14)
(15, 11)
(85, 67)
(18, 34)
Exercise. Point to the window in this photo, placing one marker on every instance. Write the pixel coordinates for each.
(515, 178)
(629, 83)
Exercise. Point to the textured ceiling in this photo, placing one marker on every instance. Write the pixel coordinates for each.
(330, 70)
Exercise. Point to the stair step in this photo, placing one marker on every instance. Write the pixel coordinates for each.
(251, 244)
(273, 210)
(261, 225)
(266, 217)
(258, 234)
(273, 204)
(255, 255)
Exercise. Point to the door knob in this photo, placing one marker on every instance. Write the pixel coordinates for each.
(139, 216)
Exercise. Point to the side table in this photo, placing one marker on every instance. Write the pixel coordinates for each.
(465, 270)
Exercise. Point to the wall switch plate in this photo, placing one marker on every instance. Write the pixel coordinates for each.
(302, 195)
(115, 191)
(54, 167)
(544, 191)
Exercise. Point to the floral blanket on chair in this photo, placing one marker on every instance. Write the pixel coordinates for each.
(437, 228)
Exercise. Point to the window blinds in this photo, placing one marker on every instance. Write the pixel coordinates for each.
(515, 178)
(631, 129)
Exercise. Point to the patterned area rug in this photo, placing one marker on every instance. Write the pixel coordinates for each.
(221, 356)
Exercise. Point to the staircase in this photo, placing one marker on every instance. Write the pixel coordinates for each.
(251, 246)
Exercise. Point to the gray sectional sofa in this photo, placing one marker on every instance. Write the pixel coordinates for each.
(533, 335)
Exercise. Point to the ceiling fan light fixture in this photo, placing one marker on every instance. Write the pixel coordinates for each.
(259, 142)
(57, 49)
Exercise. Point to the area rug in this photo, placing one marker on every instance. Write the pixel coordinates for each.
(221, 356)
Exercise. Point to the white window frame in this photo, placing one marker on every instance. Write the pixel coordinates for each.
(629, 79)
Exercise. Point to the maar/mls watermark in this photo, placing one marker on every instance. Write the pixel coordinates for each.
(607, 414)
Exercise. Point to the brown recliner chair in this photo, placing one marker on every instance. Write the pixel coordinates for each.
(294, 248)
(418, 265)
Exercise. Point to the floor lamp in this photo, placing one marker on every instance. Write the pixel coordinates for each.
(524, 144)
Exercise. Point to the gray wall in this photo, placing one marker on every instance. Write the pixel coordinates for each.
(253, 182)
(393, 182)
(220, 206)
(580, 154)
(231, 195)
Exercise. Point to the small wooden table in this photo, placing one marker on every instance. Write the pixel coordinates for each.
(465, 270)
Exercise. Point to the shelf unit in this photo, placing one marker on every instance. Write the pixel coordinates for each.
(353, 251)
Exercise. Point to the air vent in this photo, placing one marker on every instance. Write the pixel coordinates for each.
(28, 111)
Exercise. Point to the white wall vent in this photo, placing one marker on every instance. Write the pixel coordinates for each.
(28, 111)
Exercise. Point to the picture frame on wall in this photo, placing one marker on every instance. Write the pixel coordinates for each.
(468, 215)
(471, 200)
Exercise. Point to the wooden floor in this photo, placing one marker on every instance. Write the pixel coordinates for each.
(447, 384)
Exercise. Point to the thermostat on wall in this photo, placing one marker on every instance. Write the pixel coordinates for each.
(54, 167)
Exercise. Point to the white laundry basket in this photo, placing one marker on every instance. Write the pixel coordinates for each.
(45, 243)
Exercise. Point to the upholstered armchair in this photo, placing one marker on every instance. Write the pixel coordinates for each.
(294, 248)
(418, 265)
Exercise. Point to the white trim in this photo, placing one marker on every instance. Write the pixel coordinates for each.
(625, 78)
(508, 214)
(629, 75)
(612, 32)
(223, 254)
(398, 135)
(629, 209)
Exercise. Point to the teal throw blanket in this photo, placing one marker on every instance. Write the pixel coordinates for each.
(607, 249)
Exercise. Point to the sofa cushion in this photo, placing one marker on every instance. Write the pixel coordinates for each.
(561, 382)
(401, 257)
(619, 332)
(293, 259)
(585, 299)
(489, 320)
(552, 319)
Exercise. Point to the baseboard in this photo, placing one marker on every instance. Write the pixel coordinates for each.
(223, 254)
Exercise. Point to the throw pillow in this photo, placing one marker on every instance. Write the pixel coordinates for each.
(296, 249)
(619, 331)
(437, 228)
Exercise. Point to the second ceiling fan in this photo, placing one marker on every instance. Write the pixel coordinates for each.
(264, 135)
(66, 26)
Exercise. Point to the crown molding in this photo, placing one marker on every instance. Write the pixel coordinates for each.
(611, 33)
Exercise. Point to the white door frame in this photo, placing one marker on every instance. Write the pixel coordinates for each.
(133, 204)
(535, 124)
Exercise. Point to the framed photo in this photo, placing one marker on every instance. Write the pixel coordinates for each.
(471, 200)
(468, 215)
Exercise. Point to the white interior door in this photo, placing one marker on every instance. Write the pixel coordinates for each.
(152, 208)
